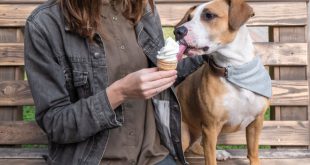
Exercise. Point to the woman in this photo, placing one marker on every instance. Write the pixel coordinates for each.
(91, 69)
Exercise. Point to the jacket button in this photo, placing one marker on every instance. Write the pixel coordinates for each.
(122, 47)
(96, 55)
(131, 133)
(114, 18)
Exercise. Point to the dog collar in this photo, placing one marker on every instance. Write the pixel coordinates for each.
(218, 70)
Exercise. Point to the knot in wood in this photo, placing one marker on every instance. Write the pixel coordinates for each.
(9, 91)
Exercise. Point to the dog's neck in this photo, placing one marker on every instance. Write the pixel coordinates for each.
(239, 51)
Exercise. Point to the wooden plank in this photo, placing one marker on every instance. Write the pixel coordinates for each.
(293, 73)
(22, 153)
(263, 161)
(276, 14)
(11, 54)
(283, 53)
(14, 15)
(282, 133)
(22, 161)
(278, 133)
(293, 54)
(157, 1)
(36, 153)
(284, 93)
(203, 1)
(192, 162)
(22, 1)
(15, 93)
(263, 154)
(293, 34)
(20, 132)
(293, 113)
(7, 35)
(289, 93)
(34, 157)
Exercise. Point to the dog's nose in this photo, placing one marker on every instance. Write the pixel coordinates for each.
(180, 32)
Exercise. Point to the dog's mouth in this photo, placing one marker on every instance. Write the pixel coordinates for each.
(186, 49)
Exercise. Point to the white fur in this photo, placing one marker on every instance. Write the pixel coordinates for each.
(242, 105)
(222, 155)
(197, 32)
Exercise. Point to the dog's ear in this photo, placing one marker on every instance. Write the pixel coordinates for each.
(239, 13)
(187, 16)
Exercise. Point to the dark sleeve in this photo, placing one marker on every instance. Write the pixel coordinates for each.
(187, 66)
(63, 121)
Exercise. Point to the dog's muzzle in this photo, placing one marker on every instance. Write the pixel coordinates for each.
(180, 32)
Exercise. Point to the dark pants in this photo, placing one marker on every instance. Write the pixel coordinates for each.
(167, 161)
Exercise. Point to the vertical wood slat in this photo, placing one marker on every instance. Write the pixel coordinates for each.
(290, 34)
(276, 75)
(308, 68)
(10, 35)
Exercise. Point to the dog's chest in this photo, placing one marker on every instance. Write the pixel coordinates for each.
(242, 105)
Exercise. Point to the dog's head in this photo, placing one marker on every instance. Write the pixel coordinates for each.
(208, 27)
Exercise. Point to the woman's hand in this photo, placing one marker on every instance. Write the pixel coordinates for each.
(142, 84)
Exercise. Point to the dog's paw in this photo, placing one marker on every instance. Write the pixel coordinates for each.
(222, 155)
(197, 149)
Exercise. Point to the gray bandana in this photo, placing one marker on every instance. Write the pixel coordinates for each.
(251, 76)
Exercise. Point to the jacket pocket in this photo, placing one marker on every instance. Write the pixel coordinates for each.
(77, 84)
(81, 84)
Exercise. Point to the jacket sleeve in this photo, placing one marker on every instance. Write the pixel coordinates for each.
(187, 66)
(63, 121)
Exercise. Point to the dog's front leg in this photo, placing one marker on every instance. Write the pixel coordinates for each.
(186, 138)
(252, 137)
(209, 141)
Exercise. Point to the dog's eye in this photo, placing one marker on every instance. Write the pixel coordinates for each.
(209, 16)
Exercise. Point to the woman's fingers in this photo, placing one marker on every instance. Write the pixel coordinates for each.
(153, 76)
(148, 70)
(152, 92)
(146, 83)
(158, 83)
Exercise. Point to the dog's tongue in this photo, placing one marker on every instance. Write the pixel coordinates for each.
(182, 49)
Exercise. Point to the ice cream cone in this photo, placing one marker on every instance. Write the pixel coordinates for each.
(166, 65)
(167, 56)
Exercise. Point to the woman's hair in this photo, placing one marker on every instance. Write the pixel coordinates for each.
(83, 16)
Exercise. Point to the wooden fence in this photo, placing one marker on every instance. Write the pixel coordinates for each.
(280, 31)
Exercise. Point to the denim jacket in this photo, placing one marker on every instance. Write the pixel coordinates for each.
(68, 77)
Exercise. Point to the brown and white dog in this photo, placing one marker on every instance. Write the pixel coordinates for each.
(210, 104)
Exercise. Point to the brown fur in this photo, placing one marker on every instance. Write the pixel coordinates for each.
(218, 28)
(202, 93)
(205, 116)
(187, 16)
(239, 13)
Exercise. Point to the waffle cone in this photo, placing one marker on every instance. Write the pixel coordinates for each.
(166, 65)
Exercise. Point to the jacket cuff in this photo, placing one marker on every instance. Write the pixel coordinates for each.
(106, 116)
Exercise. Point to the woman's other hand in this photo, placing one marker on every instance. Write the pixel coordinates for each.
(142, 84)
